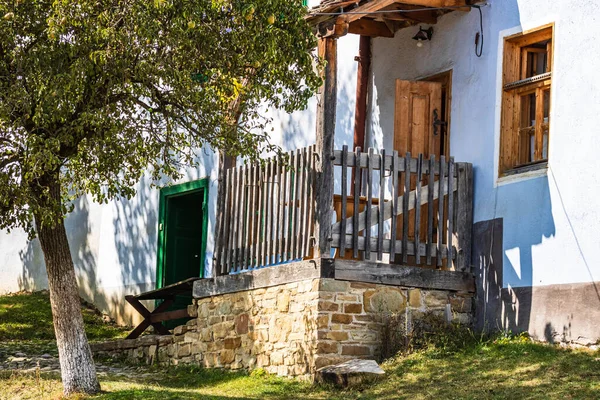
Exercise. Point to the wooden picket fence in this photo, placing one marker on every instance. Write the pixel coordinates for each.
(268, 213)
(422, 230)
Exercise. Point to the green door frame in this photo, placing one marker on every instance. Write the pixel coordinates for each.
(174, 191)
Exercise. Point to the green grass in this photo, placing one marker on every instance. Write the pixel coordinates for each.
(500, 368)
(26, 324)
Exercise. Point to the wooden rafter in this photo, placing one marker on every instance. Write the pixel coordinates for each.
(336, 18)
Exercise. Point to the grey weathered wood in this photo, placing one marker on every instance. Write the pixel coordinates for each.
(224, 240)
(355, 212)
(287, 178)
(312, 196)
(252, 211)
(260, 278)
(397, 275)
(244, 217)
(387, 243)
(380, 223)
(235, 219)
(387, 208)
(260, 217)
(369, 206)
(304, 205)
(294, 206)
(280, 209)
(326, 110)
(298, 218)
(451, 265)
(394, 223)
(440, 230)
(417, 208)
(362, 161)
(430, 183)
(225, 163)
(240, 218)
(269, 213)
(405, 202)
(344, 182)
(464, 216)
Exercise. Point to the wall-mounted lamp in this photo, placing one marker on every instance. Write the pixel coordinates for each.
(422, 35)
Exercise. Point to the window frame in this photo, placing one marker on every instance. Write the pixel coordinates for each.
(516, 85)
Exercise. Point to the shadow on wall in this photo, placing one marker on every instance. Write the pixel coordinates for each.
(129, 271)
(519, 231)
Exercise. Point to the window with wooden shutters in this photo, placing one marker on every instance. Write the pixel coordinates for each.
(527, 81)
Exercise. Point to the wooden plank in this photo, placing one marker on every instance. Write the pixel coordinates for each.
(260, 217)
(252, 211)
(380, 222)
(395, 176)
(353, 159)
(304, 205)
(450, 211)
(368, 27)
(298, 204)
(440, 230)
(233, 232)
(464, 216)
(326, 116)
(311, 195)
(224, 246)
(226, 162)
(344, 183)
(169, 315)
(418, 209)
(387, 209)
(405, 204)
(280, 210)
(539, 120)
(277, 209)
(268, 212)
(285, 251)
(369, 200)
(397, 275)
(244, 215)
(261, 278)
(387, 243)
(430, 183)
(355, 211)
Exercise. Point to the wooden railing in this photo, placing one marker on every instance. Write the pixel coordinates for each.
(268, 213)
(269, 210)
(421, 229)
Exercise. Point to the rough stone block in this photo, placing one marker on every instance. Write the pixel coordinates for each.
(362, 285)
(328, 306)
(276, 358)
(384, 300)
(192, 310)
(346, 297)
(322, 321)
(241, 324)
(436, 299)
(327, 347)
(190, 337)
(353, 308)
(414, 298)
(461, 304)
(232, 343)
(350, 373)
(283, 301)
(355, 350)
(341, 318)
(331, 285)
(227, 356)
(180, 330)
(184, 350)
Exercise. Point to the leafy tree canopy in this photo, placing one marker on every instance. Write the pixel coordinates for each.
(95, 93)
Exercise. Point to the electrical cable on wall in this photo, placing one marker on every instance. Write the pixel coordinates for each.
(479, 35)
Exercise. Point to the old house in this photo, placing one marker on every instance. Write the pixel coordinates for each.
(447, 165)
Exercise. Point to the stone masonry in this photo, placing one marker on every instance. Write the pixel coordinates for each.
(291, 329)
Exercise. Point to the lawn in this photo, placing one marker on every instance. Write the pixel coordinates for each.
(494, 368)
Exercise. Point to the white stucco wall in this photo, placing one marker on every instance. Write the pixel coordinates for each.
(550, 222)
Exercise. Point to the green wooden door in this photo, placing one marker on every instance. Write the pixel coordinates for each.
(182, 238)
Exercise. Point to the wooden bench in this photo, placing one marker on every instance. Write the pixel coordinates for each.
(159, 315)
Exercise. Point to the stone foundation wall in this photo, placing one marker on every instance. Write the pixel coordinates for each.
(291, 329)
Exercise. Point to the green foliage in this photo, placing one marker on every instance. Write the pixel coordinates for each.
(94, 94)
(28, 317)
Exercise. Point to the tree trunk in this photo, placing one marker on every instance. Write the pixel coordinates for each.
(76, 364)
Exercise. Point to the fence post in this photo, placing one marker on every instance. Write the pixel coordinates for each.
(464, 216)
(225, 162)
(326, 109)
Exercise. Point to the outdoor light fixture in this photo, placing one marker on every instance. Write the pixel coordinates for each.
(422, 35)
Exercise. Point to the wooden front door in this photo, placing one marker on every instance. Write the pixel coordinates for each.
(417, 130)
(418, 105)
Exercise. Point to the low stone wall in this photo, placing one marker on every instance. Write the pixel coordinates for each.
(291, 329)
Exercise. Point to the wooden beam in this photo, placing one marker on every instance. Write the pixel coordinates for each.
(368, 27)
(400, 275)
(464, 216)
(362, 81)
(263, 278)
(326, 110)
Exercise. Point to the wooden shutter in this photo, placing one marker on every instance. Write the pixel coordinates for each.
(417, 105)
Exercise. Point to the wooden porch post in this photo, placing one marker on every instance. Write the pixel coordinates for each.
(324, 147)
(464, 216)
(225, 162)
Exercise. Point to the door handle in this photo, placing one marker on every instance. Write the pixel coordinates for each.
(437, 122)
